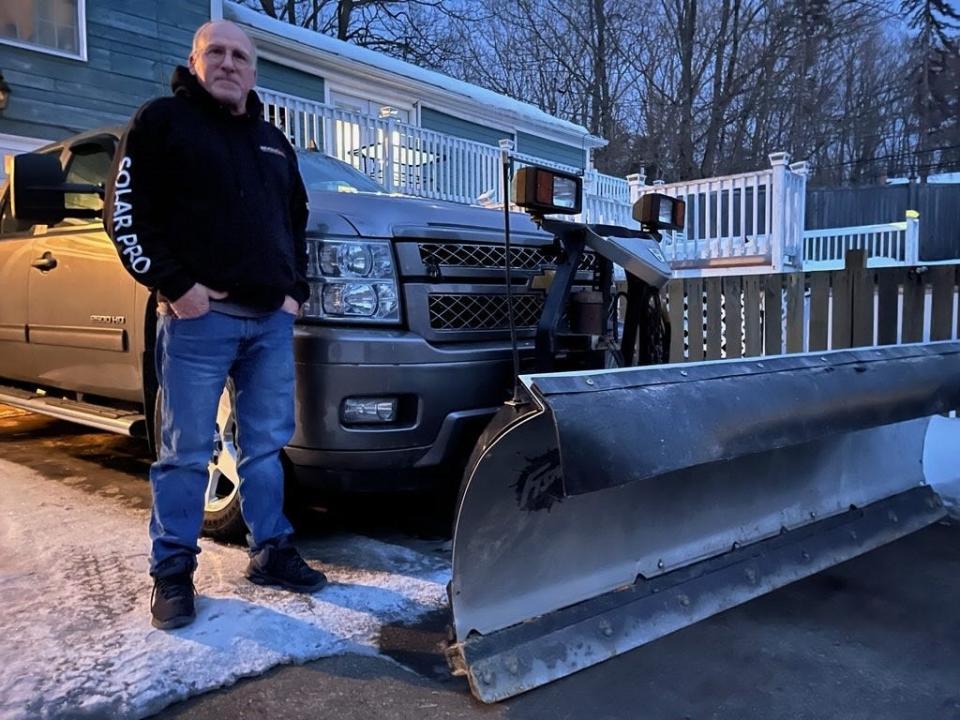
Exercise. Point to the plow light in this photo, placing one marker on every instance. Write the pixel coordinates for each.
(660, 212)
(540, 191)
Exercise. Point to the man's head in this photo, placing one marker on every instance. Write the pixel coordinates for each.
(224, 61)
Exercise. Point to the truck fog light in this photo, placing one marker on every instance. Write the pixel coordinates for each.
(369, 410)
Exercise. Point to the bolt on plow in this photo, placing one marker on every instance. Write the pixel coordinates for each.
(604, 508)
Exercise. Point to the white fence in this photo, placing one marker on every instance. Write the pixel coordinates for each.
(750, 219)
(750, 223)
(886, 244)
(402, 157)
(606, 199)
(412, 160)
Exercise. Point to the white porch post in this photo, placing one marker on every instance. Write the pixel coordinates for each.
(912, 239)
(777, 221)
(635, 182)
(389, 181)
(798, 202)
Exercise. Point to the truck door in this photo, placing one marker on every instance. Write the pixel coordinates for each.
(16, 241)
(80, 299)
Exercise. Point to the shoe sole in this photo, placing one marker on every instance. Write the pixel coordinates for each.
(277, 582)
(173, 623)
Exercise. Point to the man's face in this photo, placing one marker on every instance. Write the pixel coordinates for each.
(224, 64)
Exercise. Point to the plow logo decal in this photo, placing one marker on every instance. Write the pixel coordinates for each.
(540, 485)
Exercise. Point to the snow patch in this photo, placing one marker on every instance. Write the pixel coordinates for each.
(75, 634)
(938, 179)
(941, 461)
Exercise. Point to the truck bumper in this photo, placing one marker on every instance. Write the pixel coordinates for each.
(446, 393)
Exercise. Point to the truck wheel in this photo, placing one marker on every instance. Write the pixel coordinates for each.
(222, 519)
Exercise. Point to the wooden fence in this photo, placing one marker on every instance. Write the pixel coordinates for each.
(753, 315)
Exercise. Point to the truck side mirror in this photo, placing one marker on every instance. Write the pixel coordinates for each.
(38, 185)
(541, 191)
(660, 212)
(34, 185)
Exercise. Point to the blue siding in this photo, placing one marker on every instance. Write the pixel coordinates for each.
(283, 79)
(551, 150)
(441, 122)
(132, 48)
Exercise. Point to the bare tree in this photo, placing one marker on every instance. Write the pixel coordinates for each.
(421, 31)
(693, 88)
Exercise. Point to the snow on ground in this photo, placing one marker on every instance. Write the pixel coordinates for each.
(941, 461)
(945, 178)
(75, 636)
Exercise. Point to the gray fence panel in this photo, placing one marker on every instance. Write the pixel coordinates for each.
(938, 205)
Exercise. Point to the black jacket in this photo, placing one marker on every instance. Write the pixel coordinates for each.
(200, 195)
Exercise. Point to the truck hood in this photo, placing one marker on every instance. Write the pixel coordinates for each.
(379, 215)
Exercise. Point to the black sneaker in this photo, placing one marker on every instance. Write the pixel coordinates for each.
(282, 566)
(171, 603)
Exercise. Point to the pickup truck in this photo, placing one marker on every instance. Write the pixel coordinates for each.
(397, 372)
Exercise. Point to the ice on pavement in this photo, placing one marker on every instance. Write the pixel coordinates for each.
(75, 637)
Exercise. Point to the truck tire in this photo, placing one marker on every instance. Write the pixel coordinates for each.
(222, 519)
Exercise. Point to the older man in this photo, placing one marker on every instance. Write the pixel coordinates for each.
(207, 207)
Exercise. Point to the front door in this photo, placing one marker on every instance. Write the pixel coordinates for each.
(16, 246)
(81, 300)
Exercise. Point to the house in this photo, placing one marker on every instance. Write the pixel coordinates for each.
(74, 66)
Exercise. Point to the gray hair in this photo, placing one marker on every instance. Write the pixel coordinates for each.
(201, 31)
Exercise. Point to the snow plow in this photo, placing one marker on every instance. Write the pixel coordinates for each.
(605, 507)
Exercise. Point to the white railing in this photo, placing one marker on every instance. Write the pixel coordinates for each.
(606, 199)
(408, 159)
(608, 211)
(749, 219)
(403, 158)
(607, 186)
(886, 244)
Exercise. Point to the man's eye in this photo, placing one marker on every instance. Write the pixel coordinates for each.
(215, 52)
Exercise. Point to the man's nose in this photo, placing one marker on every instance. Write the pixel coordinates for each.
(228, 63)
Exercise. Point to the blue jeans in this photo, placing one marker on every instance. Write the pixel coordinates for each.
(194, 359)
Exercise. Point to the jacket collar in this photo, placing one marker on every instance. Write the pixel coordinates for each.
(185, 84)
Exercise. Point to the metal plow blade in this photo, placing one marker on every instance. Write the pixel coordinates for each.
(623, 505)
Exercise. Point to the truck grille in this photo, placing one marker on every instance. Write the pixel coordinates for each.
(491, 256)
(483, 311)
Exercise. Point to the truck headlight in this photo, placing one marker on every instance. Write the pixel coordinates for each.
(352, 280)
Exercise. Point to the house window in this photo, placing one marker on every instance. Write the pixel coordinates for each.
(54, 26)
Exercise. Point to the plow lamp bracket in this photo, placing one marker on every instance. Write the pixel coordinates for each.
(660, 212)
(38, 187)
(542, 191)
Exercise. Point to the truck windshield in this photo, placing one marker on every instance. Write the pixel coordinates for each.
(322, 172)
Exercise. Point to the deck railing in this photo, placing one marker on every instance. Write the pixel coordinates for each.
(409, 159)
(753, 221)
(885, 244)
(748, 223)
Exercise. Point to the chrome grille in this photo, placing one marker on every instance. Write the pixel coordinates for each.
(492, 256)
(483, 311)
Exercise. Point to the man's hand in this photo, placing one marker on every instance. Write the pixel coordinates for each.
(195, 301)
(290, 306)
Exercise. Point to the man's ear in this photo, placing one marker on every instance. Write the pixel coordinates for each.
(192, 63)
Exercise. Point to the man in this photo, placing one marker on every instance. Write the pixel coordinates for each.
(208, 208)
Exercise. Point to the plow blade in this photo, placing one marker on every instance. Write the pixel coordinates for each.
(621, 505)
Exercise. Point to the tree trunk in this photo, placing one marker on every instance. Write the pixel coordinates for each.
(344, 10)
(687, 33)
